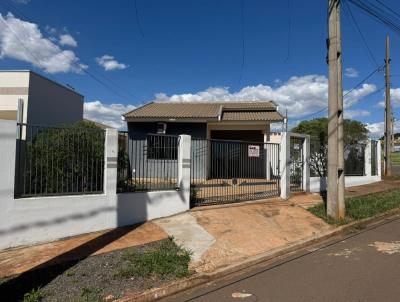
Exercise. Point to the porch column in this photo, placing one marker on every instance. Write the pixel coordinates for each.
(111, 162)
(184, 168)
(306, 163)
(284, 165)
(267, 157)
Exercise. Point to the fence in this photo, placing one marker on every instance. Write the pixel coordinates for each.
(148, 164)
(233, 171)
(354, 156)
(59, 161)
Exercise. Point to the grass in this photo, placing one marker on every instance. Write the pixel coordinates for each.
(358, 208)
(164, 260)
(35, 295)
(90, 295)
(396, 158)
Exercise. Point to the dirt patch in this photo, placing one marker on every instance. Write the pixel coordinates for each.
(96, 277)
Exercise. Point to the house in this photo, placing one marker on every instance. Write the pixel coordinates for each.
(245, 121)
(211, 125)
(34, 99)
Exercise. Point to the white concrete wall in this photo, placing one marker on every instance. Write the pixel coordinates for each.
(318, 184)
(31, 220)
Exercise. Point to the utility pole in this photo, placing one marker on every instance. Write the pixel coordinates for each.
(341, 179)
(388, 113)
(332, 186)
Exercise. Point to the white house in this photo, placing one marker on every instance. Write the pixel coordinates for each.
(39, 100)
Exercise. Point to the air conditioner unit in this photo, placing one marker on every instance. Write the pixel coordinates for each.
(161, 128)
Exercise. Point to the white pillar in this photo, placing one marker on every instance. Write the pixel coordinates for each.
(284, 168)
(367, 161)
(184, 168)
(379, 158)
(111, 161)
(306, 163)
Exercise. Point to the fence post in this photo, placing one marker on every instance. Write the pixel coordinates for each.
(111, 161)
(306, 163)
(184, 167)
(367, 161)
(379, 158)
(268, 153)
(284, 168)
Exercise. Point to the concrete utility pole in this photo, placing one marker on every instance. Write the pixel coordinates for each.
(341, 179)
(333, 106)
(388, 113)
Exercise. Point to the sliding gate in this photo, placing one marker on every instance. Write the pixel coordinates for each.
(233, 171)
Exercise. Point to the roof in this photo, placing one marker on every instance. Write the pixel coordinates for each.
(226, 111)
(99, 125)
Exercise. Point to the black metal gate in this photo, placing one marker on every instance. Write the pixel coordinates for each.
(296, 163)
(233, 171)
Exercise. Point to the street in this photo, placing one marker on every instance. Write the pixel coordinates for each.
(363, 266)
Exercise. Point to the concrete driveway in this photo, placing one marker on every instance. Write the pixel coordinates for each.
(219, 236)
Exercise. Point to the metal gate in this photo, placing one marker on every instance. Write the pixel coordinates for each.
(296, 163)
(233, 171)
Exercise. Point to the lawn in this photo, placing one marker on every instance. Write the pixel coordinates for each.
(396, 158)
(103, 277)
(358, 208)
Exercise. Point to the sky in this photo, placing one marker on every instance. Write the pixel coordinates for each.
(122, 54)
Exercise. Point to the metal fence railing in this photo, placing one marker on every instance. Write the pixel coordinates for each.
(148, 164)
(354, 156)
(59, 161)
(225, 171)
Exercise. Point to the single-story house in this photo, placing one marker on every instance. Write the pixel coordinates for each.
(246, 120)
(211, 125)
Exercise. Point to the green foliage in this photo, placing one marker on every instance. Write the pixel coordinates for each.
(64, 159)
(396, 158)
(354, 133)
(35, 295)
(165, 259)
(358, 208)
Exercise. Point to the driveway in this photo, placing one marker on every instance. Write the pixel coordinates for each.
(219, 236)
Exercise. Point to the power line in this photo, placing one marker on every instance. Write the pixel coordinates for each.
(243, 40)
(138, 20)
(354, 21)
(95, 77)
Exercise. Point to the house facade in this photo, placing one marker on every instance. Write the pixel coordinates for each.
(33, 99)
(239, 121)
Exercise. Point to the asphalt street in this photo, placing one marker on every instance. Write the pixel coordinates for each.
(363, 266)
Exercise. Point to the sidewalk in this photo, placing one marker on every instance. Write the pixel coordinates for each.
(217, 235)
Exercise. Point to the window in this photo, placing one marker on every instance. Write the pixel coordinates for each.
(162, 147)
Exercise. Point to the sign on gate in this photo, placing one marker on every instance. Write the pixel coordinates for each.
(254, 151)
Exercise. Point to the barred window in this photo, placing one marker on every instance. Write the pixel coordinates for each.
(162, 147)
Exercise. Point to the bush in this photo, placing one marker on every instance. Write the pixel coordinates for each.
(63, 159)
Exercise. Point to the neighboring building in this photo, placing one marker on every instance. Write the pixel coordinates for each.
(396, 145)
(37, 100)
(246, 121)
(99, 125)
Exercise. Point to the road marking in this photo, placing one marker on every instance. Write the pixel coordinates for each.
(389, 248)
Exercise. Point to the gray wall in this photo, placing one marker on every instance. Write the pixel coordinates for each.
(51, 104)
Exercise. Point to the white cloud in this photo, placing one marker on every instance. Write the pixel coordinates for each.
(376, 129)
(301, 95)
(109, 63)
(68, 40)
(22, 40)
(350, 114)
(109, 114)
(351, 72)
(395, 96)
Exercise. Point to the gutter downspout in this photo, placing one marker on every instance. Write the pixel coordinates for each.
(220, 113)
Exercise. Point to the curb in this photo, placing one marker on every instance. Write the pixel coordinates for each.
(203, 278)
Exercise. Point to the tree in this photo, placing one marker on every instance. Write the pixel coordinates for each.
(63, 159)
(355, 133)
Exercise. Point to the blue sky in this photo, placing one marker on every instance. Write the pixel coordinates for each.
(193, 50)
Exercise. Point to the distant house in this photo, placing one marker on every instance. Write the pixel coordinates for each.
(245, 121)
(37, 100)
